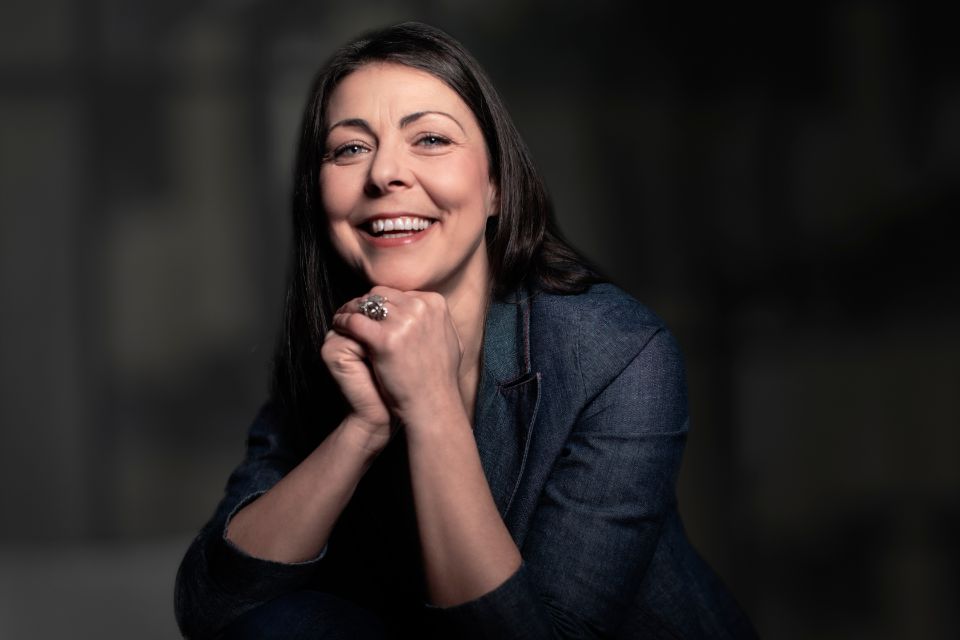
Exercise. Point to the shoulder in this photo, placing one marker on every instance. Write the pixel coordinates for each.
(603, 330)
(603, 317)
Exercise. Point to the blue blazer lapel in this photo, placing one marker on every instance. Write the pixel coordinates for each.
(507, 399)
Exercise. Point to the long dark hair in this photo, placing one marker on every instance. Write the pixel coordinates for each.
(523, 242)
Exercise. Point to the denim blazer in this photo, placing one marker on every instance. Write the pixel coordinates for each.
(581, 419)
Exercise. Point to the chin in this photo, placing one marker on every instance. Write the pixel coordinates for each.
(403, 282)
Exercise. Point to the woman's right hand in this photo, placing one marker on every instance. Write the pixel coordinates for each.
(345, 358)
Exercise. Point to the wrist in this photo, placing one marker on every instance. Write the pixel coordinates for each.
(435, 420)
(363, 437)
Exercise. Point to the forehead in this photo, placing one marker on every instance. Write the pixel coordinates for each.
(379, 86)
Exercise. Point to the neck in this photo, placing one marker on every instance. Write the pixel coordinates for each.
(468, 309)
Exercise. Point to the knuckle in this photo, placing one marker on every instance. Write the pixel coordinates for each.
(331, 351)
(330, 344)
(418, 306)
(354, 321)
(435, 301)
(392, 340)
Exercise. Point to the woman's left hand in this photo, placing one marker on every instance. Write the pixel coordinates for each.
(415, 351)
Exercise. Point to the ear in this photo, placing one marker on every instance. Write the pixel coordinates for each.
(493, 201)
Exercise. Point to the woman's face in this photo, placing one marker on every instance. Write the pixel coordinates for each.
(405, 181)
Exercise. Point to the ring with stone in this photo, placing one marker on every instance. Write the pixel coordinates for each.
(372, 306)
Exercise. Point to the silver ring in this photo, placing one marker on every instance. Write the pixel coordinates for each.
(372, 307)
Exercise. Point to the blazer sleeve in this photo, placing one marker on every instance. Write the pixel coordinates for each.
(600, 514)
(217, 581)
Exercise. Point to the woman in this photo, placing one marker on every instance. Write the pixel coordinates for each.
(469, 433)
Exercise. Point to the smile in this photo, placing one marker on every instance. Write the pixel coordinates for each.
(395, 226)
(395, 231)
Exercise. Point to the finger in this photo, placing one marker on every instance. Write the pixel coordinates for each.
(396, 297)
(339, 351)
(350, 306)
(391, 296)
(358, 326)
(435, 303)
(387, 292)
(335, 340)
(353, 347)
(430, 299)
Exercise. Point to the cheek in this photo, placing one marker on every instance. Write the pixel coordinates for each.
(464, 184)
(345, 242)
(336, 203)
(336, 196)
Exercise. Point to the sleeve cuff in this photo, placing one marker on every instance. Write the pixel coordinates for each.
(512, 610)
(239, 572)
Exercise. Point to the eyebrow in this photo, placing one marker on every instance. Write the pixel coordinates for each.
(360, 123)
(413, 117)
(356, 123)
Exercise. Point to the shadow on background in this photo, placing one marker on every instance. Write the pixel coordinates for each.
(782, 187)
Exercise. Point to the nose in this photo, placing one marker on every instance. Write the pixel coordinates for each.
(388, 170)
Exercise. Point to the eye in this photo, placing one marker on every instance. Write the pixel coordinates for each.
(432, 141)
(348, 151)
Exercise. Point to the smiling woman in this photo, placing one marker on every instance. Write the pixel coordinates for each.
(470, 433)
(404, 147)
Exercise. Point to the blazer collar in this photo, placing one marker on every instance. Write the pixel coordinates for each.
(507, 398)
(506, 349)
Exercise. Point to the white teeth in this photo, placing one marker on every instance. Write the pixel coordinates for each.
(384, 225)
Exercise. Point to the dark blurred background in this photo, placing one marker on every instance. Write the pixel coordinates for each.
(780, 185)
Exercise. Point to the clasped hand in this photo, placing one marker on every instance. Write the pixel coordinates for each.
(406, 365)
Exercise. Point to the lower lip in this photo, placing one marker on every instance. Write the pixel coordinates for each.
(379, 241)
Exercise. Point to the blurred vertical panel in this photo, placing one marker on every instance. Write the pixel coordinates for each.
(42, 403)
(42, 136)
